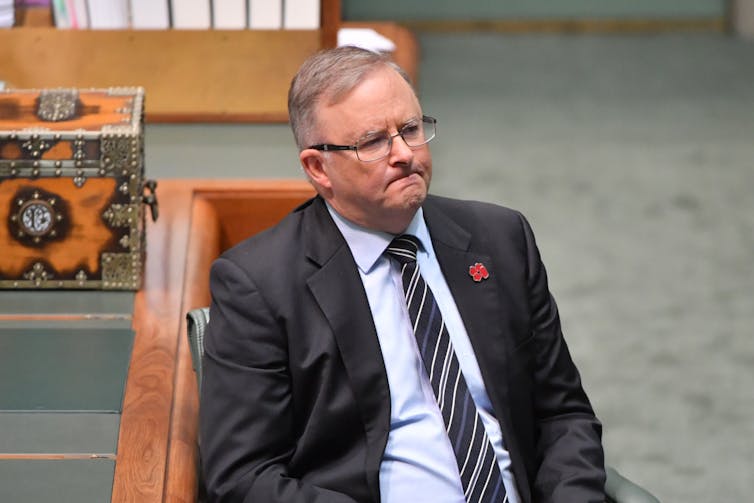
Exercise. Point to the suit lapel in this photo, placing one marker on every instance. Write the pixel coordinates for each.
(484, 307)
(338, 289)
(479, 303)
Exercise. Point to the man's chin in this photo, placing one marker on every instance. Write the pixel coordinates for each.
(414, 200)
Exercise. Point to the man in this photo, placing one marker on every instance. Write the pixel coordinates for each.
(323, 381)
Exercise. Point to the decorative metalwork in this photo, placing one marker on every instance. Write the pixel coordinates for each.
(149, 197)
(35, 130)
(79, 180)
(79, 154)
(38, 274)
(81, 277)
(121, 150)
(115, 151)
(129, 241)
(57, 105)
(120, 270)
(120, 215)
(37, 217)
(120, 130)
(136, 92)
(36, 146)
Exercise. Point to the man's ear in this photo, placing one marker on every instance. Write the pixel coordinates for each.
(313, 164)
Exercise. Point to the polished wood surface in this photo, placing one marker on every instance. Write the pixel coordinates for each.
(330, 22)
(188, 75)
(156, 458)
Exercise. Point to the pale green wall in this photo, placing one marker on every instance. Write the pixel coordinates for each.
(413, 10)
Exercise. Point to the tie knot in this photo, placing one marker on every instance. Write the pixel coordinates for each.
(404, 248)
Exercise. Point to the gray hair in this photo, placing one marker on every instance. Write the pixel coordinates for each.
(327, 77)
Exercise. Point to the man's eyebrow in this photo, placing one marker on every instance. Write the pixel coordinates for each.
(374, 132)
(413, 120)
(371, 132)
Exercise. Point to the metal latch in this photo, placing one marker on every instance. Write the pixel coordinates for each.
(150, 199)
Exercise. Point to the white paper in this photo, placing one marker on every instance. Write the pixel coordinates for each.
(266, 14)
(366, 38)
(79, 14)
(150, 15)
(191, 14)
(301, 15)
(108, 14)
(229, 14)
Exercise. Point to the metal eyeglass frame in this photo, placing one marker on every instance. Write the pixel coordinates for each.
(329, 147)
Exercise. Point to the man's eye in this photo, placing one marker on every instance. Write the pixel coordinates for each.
(411, 130)
(372, 142)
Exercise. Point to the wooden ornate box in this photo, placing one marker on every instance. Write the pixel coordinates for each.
(72, 189)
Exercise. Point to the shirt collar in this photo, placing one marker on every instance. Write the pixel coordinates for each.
(367, 246)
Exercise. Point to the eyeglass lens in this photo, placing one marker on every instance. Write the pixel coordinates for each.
(378, 146)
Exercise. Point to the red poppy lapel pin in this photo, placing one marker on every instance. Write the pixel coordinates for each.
(478, 272)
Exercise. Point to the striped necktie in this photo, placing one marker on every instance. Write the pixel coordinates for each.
(480, 474)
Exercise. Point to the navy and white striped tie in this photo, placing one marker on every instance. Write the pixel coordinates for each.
(480, 474)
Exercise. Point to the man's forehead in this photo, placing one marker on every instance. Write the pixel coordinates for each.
(360, 110)
(341, 89)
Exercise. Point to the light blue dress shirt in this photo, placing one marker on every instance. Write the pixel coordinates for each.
(418, 464)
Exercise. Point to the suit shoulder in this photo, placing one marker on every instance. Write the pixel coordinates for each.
(276, 242)
(476, 211)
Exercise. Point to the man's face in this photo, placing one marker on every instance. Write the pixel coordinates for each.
(383, 194)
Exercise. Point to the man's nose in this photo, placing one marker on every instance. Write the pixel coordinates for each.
(400, 152)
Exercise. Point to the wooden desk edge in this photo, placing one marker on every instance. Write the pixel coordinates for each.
(188, 93)
(156, 457)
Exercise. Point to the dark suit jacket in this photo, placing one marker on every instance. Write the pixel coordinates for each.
(295, 403)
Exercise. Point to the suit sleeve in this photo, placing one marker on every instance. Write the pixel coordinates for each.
(246, 420)
(569, 448)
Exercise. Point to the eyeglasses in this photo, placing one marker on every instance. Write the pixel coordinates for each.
(374, 147)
